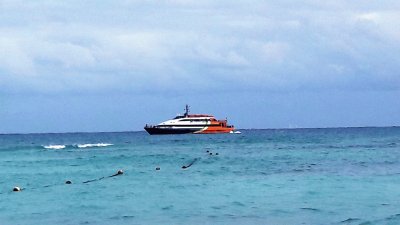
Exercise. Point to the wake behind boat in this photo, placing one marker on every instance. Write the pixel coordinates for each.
(191, 123)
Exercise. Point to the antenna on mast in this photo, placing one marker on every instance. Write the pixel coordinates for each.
(186, 110)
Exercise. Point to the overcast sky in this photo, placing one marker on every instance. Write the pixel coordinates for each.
(116, 65)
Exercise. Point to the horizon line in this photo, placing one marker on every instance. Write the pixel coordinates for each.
(136, 131)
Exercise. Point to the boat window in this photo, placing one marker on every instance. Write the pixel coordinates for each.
(195, 120)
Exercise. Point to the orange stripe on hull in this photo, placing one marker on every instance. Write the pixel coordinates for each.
(215, 130)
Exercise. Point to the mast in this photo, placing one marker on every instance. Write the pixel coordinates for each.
(186, 110)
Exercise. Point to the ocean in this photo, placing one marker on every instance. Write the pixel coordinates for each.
(277, 176)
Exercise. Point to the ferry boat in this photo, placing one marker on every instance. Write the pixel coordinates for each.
(191, 123)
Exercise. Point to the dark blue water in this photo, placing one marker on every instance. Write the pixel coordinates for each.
(300, 176)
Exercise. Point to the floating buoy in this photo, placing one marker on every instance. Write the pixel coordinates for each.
(68, 182)
(16, 189)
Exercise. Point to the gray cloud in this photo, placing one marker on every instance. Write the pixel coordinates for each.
(52, 46)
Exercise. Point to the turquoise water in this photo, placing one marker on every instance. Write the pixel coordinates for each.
(300, 176)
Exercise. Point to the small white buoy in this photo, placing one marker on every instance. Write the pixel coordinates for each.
(16, 189)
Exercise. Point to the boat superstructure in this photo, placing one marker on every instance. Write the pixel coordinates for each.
(191, 123)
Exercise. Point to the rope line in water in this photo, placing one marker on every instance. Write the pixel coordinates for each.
(18, 189)
(196, 159)
(119, 172)
(190, 164)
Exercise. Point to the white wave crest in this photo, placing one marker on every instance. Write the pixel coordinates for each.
(93, 145)
(54, 146)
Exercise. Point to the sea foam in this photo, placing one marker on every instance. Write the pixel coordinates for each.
(54, 146)
(93, 145)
